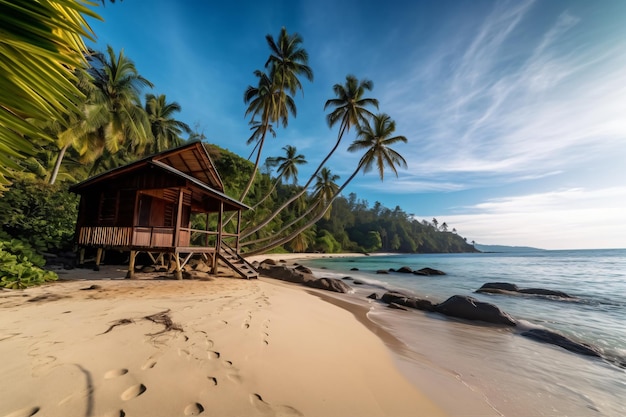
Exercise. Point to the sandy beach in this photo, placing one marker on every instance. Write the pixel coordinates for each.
(95, 344)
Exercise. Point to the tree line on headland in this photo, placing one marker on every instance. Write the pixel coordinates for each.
(69, 112)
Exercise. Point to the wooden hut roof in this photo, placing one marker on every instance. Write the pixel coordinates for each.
(191, 159)
(230, 203)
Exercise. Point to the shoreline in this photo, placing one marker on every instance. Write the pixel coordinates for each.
(114, 347)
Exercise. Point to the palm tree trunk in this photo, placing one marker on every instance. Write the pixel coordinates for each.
(256, 162)
(315, 219)
(284, 228)
(57, 164)
(247, 233)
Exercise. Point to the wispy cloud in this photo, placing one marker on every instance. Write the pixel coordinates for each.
(579, 217)
(520, 102)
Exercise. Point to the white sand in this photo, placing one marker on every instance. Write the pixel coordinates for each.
(237, 348)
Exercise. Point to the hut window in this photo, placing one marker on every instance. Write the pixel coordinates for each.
(108, 207)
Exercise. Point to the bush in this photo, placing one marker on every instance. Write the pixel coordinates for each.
(42, 215)
(16, 270)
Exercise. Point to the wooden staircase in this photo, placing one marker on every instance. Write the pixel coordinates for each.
(237, 263)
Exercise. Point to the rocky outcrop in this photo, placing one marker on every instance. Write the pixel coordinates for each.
(394, 297)
(547, 336)
(285, 273)
(300, 275)
(405, 270)
(382, 271)
(508, 288)
(428, 272)
(469, 308)
(329, 284)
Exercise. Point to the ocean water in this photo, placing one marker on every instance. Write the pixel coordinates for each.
(516, 375)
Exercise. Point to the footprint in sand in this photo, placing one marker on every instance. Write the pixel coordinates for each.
(194, 409)
(266, 408)
(133, 392)
(213, 355)
(150, 363)
(114, 373)
(24, 412)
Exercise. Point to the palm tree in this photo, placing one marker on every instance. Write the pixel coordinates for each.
(376, 139)
(115, 102)
(288, 164)
(287, 168)
(350, 109)
(41, 45)
(289, 60)
(325, 189)
(272, 105)
(166, 131)
(271, 99)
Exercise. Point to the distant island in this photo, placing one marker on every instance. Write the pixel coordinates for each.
(504, 248)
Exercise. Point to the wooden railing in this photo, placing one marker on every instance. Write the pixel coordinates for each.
(155, 237)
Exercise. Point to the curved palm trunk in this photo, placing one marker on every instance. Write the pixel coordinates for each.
(247, 233)
(315, 219)
(256, 162)
(284, 228)
(57, 164)
(269, 193)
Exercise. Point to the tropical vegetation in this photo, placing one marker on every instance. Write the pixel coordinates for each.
(82, 112)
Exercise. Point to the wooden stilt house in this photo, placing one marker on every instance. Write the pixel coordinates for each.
(146, 206)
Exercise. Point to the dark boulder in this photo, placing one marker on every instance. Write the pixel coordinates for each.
(405, 270)
(543, 291)
(284, 273)
(357, 282)
(269, 261)
(498, 287)
(547, 336)
(382, 271)
(329, 284)
(397, 307)
(373, 296)
(469, 308)
(394, 297)
(348, 279)
(428, 272)
(302, 268)
(507, 288)
(354, 269)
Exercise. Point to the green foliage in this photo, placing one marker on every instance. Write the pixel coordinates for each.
(42, 215)
(17, 270)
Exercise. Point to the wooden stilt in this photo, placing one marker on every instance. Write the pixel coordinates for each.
(81, 256)
(98, 259)
(131, 265)
(179, 271)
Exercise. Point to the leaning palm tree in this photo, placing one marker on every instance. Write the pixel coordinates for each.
(350, 108)
(41, 45)
(166, 130)
(116, 102)
(376, 139)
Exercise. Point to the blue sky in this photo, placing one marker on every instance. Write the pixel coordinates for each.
(515, 111)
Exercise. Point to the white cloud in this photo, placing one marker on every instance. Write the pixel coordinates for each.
(509, 109)
(566, 219)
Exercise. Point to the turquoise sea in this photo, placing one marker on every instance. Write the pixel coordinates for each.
(515, 374)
